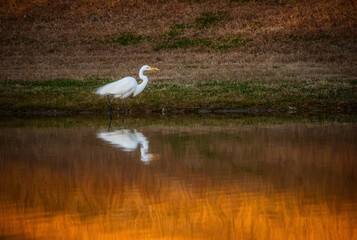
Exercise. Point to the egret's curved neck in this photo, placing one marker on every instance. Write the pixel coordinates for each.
(142, 85)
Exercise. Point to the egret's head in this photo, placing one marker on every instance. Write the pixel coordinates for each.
(146, 67)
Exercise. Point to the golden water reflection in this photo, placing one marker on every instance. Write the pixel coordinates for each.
(273, 181)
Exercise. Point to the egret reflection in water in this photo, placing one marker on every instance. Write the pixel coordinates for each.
(128, 141)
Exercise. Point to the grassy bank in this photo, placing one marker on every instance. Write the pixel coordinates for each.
(76, 96)
(212, 53)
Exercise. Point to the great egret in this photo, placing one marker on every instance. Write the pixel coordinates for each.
(125, 87)
(128, 141)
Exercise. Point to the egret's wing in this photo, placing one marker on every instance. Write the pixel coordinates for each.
(121, 88)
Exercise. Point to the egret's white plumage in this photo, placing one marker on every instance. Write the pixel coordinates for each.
(125, 87)
(119, 89)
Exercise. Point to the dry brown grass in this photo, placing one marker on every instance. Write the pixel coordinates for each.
(49, 40)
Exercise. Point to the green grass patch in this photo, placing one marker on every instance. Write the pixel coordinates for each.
(75, 95)
(210, 18)
(124, 38)
(176, 29)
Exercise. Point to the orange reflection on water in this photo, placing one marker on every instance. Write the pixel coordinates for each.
(281, 182)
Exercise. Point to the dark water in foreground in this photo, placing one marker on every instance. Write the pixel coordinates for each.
(178, 177)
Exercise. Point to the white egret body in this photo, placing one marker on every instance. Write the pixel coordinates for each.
(125, 87)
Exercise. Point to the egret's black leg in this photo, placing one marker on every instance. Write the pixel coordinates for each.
(110, 115)
(109, 104)
(122, 104)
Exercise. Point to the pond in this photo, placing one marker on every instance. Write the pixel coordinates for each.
(224, 176)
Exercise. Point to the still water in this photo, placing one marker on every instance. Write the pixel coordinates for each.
(178, 177)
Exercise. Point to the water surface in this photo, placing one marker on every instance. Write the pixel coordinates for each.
(178, 177)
